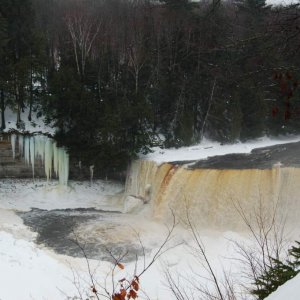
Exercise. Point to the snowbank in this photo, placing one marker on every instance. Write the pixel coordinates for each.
(29, 273)
(209, 148)
(24, 194)
(290, 290)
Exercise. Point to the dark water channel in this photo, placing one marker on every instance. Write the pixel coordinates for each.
(58, 230)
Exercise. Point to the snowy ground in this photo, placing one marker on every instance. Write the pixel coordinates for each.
(290, 290)
(209, 148)
(36, 124)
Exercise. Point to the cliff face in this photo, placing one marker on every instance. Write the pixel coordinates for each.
(11, 167)
(214, 197)
(25, 156)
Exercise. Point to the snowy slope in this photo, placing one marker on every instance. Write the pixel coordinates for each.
(36, 125)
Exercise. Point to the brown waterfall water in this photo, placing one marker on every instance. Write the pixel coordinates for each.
(214, 197)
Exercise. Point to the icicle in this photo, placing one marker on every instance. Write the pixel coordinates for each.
(32, 154)
(13, 144)
(55, 159)
(40, 147)
(21, 144)
(45, 149)
(26, 150)
(91, 172)
(48, 158)
(63, 166)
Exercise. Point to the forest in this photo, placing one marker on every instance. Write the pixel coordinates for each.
(116, 77)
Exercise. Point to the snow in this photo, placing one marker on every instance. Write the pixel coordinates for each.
(22, 195)
(290, 290)
(209, 148)
(281, 2)
(36, 124)
(28, 272)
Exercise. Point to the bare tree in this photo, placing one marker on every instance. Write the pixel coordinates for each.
(268, 232)
(127, 287)
(83, 28)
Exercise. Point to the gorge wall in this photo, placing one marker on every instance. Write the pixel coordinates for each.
(15, 167)
(214, 194)
(35, 156)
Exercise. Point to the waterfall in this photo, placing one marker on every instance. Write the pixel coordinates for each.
(42, 148)
(212, 196)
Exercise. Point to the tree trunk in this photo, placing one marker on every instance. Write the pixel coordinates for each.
(136, 81)
(17, 96)
(2, 104)
(31, 96)
(208, 110)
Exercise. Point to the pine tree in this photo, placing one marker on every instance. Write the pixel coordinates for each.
(19, 15)
(278, 273)
(3, 69)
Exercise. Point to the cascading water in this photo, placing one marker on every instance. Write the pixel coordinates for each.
(38, 147)
(212, 196)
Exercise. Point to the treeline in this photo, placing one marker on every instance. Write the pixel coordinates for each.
(116, 75)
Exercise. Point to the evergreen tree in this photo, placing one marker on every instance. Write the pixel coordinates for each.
(20, 23)
(3, 42)
(278, 273)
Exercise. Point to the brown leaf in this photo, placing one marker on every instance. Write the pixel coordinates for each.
(132, 294)
(135, 285)
(118, 296)
(123, 293)
(120, 266)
